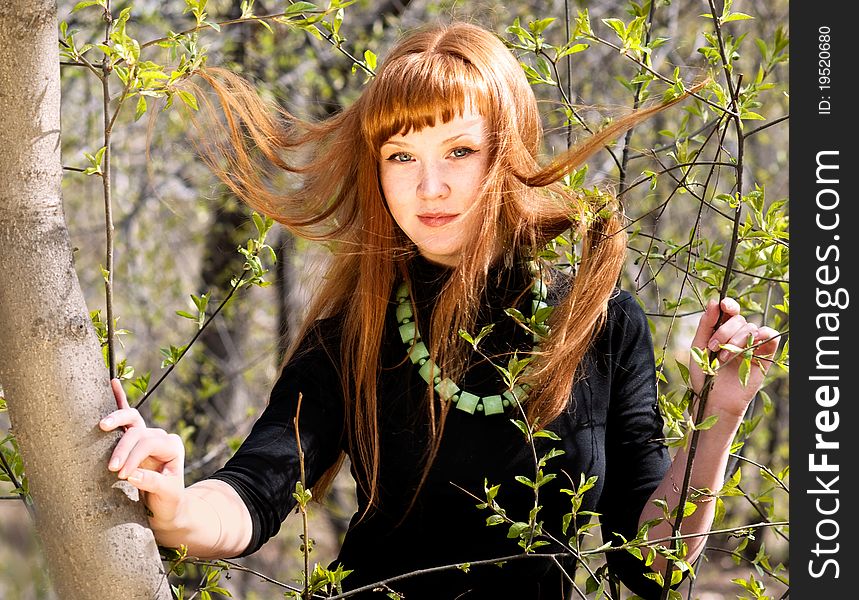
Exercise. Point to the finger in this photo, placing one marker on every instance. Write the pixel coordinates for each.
(125, 417)
(706, 325)
(166, 450)
(768, 338)
(131, 439)
(124, 446)
(730, 306)
(163, 492)
(726, 331)
(740, 339)
(119, 393)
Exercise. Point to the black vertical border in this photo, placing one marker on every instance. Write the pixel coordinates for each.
(813, 129)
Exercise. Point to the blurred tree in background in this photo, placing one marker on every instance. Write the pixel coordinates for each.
(704, 188)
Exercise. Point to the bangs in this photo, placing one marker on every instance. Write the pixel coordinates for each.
(415, 90)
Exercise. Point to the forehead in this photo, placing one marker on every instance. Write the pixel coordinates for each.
(469, 123)
(416, 91)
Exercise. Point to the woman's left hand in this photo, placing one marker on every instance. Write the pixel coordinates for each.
(728, 393)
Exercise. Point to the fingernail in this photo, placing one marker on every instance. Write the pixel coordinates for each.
(114, 464)
(724, 355)
(136, 477)
(107, 421)
(714, 345)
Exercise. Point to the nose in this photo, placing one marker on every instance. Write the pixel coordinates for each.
(432, 184)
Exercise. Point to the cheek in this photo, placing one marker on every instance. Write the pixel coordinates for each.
(393, 185)
(393, 193)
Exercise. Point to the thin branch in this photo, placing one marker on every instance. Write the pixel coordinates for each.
(657, 74)
(738, 555)
(28, 503)
(709, 380)
(781, 484)
(761, 512)
(305, 546)
(636, 102)
(327, 36)
(106, 68)
(239, 567)
(236, 285)
(770, 124)
(673, 144)
(696, 255)
(568, 104)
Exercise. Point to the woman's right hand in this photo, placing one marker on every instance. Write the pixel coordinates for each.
(150, 459)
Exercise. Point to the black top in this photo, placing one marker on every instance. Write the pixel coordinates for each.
(609, 430)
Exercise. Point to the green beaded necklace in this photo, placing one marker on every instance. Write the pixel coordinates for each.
(446, 389)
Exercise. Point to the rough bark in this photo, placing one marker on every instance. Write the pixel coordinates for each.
(56, 385)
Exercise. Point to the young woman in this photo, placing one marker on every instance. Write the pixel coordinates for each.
(431, 195)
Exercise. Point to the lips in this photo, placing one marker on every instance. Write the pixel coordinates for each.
(436, 220)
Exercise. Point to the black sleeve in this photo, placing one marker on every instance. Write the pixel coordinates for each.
(265, 469)
(636, 460)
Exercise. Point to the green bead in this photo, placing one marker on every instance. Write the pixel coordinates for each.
(493, 405)
(408, 332)
(418, 352)
(446, 388)
(404, 312)
(467, 402)
(520, 391)
(428, 370)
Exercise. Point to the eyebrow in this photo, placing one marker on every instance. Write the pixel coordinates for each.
(402, 142)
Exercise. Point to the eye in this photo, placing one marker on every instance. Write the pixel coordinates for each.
(400, 157)
(462, 152)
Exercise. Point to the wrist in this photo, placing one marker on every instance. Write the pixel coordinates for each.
(726, 419)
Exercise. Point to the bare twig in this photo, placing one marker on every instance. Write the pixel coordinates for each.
(149, 392)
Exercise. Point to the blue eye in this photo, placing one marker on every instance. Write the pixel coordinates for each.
(462, 152)
(400, 157)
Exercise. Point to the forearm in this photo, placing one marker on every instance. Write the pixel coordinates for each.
(213, 522)
(708, 471)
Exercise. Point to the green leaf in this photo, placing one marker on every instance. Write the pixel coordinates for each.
(86, 3)
(618, 26)
(522, 426)
(370, 59)
(525, 481)
(684, 372)
(735, 17)
(494, 520)
(188, 98)
(141, 107)
(707, 423)
(745, 368)
(688, 509)
(546, 433)
(299, 7)
(517, 529)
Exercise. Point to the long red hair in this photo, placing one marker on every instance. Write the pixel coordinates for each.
(332, 193)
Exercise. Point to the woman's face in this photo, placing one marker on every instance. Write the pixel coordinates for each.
(432, 179)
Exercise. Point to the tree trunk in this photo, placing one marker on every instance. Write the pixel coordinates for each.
(95, 538)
